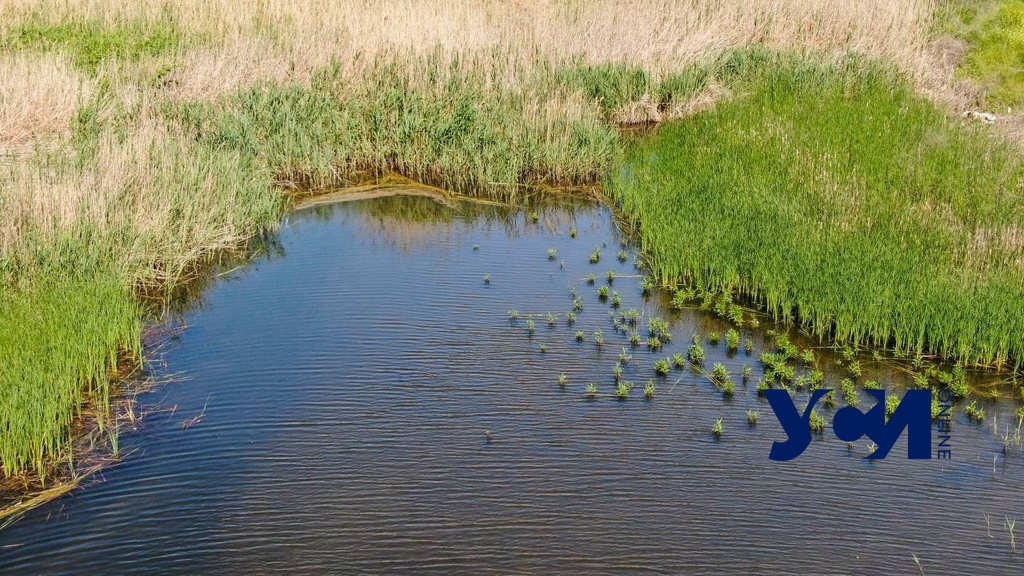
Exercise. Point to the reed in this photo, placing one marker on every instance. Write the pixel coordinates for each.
(64, 336)
(144, 136)
(812, 181)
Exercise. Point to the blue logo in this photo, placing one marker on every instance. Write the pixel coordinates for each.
(849, 424)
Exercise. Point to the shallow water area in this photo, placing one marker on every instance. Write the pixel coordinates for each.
(358, 401)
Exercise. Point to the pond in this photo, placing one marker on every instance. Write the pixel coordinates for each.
(358, 401)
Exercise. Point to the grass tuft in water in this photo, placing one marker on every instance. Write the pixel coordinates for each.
(695, 353)
(662, 367)
(752, 417)
(622, 390)
(732, 340)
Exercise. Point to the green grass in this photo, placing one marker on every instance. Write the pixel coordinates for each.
(837, 197)
(61, 334)
(995, 59)
(456, 132)
(91, 42)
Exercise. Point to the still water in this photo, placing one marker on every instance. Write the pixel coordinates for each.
(359, 402)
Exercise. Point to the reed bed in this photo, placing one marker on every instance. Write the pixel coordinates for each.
(838, 197)
(62, 340)
(139, 138)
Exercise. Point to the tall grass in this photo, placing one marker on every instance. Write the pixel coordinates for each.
(81, 235)
(442, 120)
(156, 133)
(90, 42)
(995, 30)
(834, 194)
(61, 334)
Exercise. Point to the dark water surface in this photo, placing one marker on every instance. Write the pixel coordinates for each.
(348, 385)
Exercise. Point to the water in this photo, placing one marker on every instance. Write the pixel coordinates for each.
(344, 387)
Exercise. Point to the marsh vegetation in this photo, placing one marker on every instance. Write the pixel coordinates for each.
(142, 140)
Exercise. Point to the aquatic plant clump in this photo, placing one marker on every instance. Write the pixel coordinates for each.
(717, 428)
(813, 177)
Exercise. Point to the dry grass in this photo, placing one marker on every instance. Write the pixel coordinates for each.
(164, 200)
(239, 44)
(38, 96)
(280, 39)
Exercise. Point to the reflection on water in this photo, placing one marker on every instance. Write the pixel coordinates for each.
(370, 409)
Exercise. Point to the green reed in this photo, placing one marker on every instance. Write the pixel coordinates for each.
(62, 336)
(839, 198)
